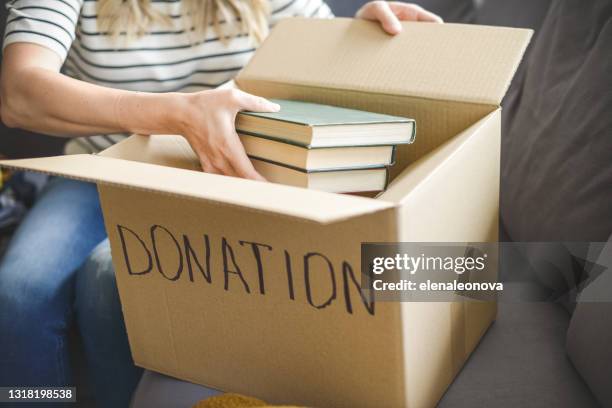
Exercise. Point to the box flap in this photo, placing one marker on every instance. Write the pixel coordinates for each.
(164, 150)
(467, 63)
(421, 171)
(308, 205)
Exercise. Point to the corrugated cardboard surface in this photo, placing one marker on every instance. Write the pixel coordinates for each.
(310, 205)
(466, 63)
(267, 340)
(465, 209)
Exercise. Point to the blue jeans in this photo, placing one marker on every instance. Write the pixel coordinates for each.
(57, 269)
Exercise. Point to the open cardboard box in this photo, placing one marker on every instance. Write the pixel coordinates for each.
(253, 287)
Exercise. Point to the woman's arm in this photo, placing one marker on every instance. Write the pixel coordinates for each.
(34, 95)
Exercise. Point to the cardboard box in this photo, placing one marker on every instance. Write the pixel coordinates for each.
(253, 287)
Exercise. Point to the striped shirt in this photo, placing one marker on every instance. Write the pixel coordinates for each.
(165, 59)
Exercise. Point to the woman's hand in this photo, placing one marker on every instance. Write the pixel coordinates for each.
(209, 128)
(390, 13)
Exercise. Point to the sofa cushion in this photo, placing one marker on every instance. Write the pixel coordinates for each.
(521, 361)
(589, 338)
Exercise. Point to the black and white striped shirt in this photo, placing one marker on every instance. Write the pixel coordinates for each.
(163, 60)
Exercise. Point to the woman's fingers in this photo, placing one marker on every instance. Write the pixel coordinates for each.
(381, 11)
(223, 166)
(226, 156)
(207, 167)
(240, 162)
(214, 136)
(246, 101)
(389, 14)
(235, 152)
(213, 160)
(244, 168)
(413, 12)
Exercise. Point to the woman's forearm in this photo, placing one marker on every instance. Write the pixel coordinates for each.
(36, 96)
(49, 102)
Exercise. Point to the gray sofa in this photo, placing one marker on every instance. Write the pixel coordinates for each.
(537, 354)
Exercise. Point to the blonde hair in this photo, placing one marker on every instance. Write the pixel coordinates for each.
(135, 17)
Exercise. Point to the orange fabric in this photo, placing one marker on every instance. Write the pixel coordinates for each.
(235, 401)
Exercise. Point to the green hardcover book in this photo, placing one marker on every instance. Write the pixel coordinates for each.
(319, 159)
(313, 125)
(333, 181)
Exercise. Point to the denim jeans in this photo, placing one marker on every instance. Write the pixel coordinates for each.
(56, 271)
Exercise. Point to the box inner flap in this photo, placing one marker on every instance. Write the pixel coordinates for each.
(456, 62)
(308, 205)
(420, 171)
(163, 150)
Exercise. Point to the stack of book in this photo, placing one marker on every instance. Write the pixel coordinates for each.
(323, 147)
